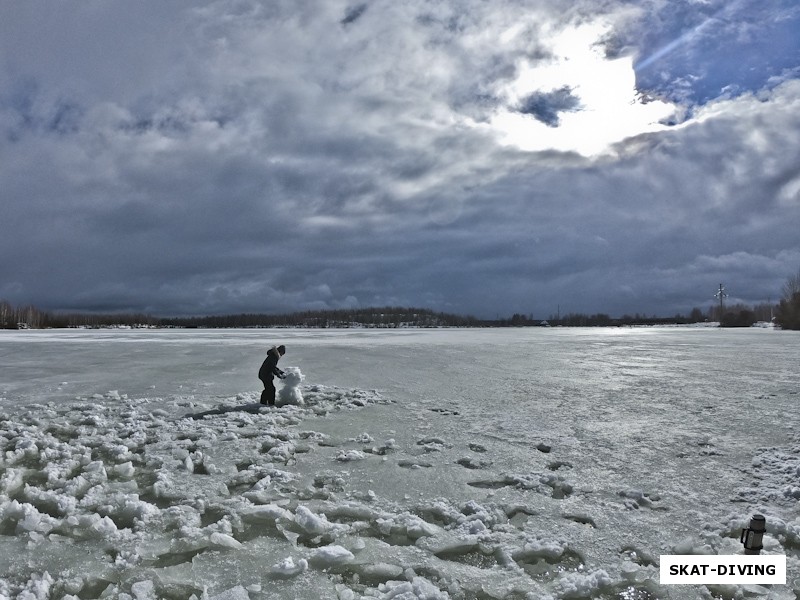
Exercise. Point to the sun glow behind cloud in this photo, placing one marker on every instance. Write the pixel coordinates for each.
(605, 107)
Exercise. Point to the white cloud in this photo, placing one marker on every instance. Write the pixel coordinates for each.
(609, 107)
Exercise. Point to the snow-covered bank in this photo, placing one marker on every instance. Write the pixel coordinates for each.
(353, 494)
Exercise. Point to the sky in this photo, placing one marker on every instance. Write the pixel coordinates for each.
(482, 158)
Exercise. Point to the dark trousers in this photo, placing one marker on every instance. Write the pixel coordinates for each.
(268, 395)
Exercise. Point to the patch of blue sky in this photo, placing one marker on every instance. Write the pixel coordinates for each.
(740, 48)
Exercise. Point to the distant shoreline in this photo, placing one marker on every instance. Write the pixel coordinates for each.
(373, 318)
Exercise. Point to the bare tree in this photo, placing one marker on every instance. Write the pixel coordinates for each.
(788, 316)
(6, 310)
(791, 287)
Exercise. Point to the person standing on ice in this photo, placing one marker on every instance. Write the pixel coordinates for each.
(268, 369)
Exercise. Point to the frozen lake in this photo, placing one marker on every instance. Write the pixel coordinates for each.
(476, 464)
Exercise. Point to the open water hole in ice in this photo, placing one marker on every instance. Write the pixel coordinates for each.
(522, 463)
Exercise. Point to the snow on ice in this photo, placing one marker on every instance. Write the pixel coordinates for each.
(117, 496)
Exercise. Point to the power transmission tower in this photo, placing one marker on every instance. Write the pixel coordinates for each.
(721, 295)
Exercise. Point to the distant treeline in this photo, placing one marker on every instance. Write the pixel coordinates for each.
(365, 317)
(787, 314)
(31, 317)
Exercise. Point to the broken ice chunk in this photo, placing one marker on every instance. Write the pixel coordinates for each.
(329, 556)
(288, 568)
(223, 540)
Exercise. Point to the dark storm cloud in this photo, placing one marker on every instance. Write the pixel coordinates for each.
(247, 156)
(546, 106)
(353, 14)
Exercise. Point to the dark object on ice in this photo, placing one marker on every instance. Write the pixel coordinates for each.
(543, 448)
(752, 536)
(269, 369)
(445, 411)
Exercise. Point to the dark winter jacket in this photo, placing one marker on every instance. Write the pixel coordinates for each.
(269, 368)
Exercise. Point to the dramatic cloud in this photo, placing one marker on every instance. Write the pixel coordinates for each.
(547, 106)
(482, 158)
(352, 14)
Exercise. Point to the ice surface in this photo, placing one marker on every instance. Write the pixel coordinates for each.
(235, 593)
(414, 464)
